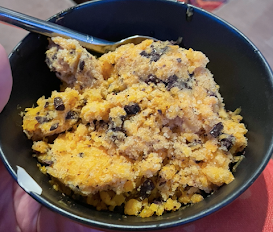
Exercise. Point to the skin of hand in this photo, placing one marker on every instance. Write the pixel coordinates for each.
(5, 78)
(19, 212)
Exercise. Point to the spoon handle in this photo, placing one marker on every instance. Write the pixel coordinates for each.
(49, 29)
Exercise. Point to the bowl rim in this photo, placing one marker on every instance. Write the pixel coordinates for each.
(164, 225)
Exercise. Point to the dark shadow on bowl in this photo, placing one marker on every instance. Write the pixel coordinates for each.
(238, 67)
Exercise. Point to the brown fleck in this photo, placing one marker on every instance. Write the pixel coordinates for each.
(152, 79)
(227, 142)
(41, 119)
(46, 105)
(48, 162)
(211, 94)
(54, 57)
(81, 65)
(71, 115)
(174, 81)
(216, 130)
(81, 154)
(146, 188)
(132, 109)
(54, 126)
(58, 104)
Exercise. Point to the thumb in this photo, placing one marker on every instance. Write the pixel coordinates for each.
(5, 78)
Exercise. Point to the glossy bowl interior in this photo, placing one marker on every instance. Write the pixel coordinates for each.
(238, 67)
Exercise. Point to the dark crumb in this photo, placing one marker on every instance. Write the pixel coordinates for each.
(157, 202)
(216, 130)
(41, 119)
(58, 104)
(179, 60)
(71, 115)
(171, 81)
(95, 124)
(155, 54)
(211, 94)
(81, 65)
(112, 126)
(198, 161)
(152, 79)
(145, 54)
(46, 105)
(81, 154)
(54, 57)
(132, 109)
(48, 162)
(122, 118)
(159, 111)
(227, 142)
(174, 81)
(84, 102)
(116, 129)
(54, 126)
(146, 188)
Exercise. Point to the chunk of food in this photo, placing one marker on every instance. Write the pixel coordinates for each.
(53, 115)
(143, 127)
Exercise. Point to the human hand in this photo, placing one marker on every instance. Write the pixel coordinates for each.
(5, 78)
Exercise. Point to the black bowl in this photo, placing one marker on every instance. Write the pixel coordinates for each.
(238, 67)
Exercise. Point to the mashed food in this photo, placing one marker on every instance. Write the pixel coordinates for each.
(143, 127)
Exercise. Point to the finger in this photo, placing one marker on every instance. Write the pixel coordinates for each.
(5, 78)
(7, 219)
(26, 209)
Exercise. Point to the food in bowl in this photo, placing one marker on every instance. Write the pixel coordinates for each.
(143, 127)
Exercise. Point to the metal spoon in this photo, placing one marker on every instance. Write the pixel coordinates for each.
(50, 29)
